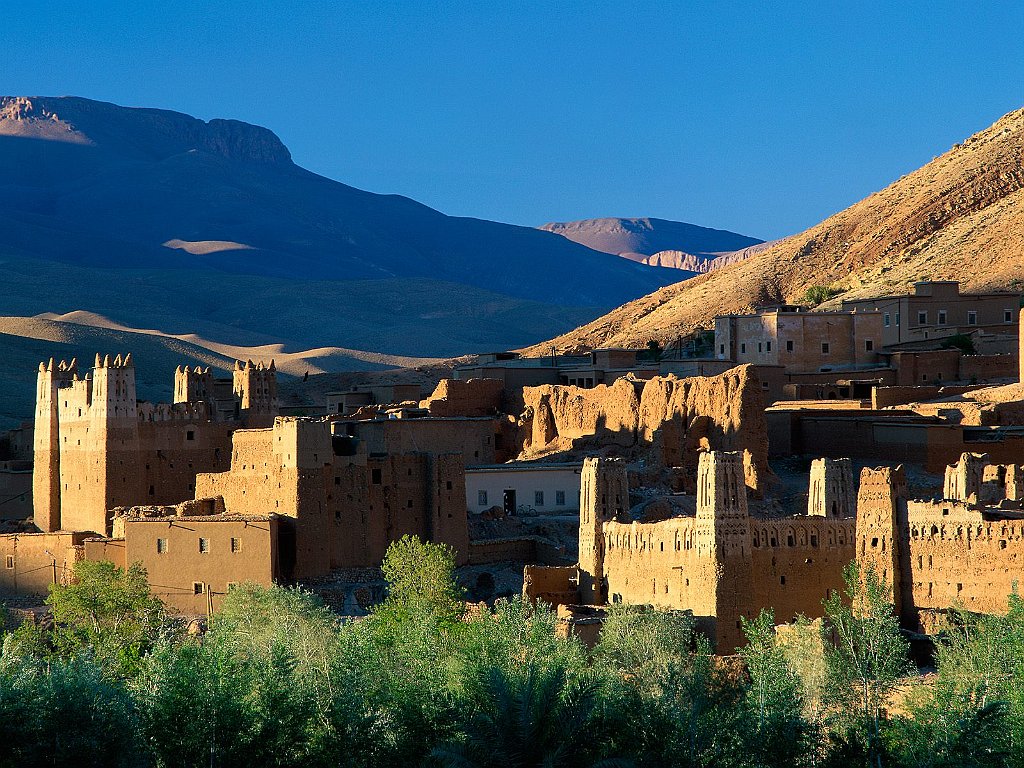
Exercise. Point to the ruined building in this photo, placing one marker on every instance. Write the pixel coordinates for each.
(97, 447)
(722, 563)
(965, 549)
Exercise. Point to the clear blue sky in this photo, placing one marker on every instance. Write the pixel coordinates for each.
(762, 118)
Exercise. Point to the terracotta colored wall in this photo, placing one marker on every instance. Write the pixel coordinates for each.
(31, 557)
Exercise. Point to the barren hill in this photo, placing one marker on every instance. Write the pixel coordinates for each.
(960, 217)
(156, 219)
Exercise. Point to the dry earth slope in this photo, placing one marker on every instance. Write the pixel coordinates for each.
(960, 217)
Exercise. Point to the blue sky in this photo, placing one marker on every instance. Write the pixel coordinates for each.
(762, 118)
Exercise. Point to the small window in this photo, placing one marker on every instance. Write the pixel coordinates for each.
(204, 545)
(161, 546)
(1007, 316)
(190, 435)
(782, 580)
(869, 345)
(10, 561)
(236, 544)
(743, 348)
(481, 498)
(942, 317)
(972, 318)
(767, 346)
(922, 318)
(538, 498)
(759, 347)
(448, 485)
(824, 347)
(721, 349)
(560, 498)
(375, 476)
(885, 319)
(789, 346)
(198, 588)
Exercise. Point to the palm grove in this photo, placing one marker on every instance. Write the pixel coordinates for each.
(279, 680)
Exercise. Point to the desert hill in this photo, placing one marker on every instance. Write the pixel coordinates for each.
(155, 219)
(656, 242)
(27, 341)
(960, 217)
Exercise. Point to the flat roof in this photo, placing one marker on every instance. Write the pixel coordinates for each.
(525, 467)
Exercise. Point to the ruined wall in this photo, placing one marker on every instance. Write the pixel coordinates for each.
(555, 585)
(475, 397)
(481, 440)
(668, 417)
(832, 491)
(31, 562)
(190, 560)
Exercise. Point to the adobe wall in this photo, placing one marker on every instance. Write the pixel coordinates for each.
(109, 549)
(475, 397)
(888, 397)
(179, 564)
(668, 416)
(481, 440)
(988, 367)
(15, 490)
(555, 585)
(31, 562)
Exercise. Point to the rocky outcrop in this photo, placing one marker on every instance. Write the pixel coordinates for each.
(666, 420)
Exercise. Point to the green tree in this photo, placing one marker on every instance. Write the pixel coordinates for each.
(109, 610)
(776, 732)
(961, 341)
(819, 294)
(421, 578)
(866, 657)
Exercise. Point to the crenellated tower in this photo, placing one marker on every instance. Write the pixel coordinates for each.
(255, 387)
(723, 530)
(193, 384)
(964, 479)
(832, 492)
(50, 379)
(881, 501)
(604, 495)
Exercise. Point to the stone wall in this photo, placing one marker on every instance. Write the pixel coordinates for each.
(668, 418)
(475, 397)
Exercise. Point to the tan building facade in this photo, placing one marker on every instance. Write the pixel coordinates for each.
(801, 341)
(936, 309)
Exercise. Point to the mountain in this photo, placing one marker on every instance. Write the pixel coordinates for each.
(655, 242)
(157, 220)
(694, 263)
(960, 217)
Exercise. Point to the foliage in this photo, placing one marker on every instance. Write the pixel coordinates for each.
(961, 341)
(819, 294)
(777, 732)
(109, 610)
(654, 352)
(865, 659)
(421, 579)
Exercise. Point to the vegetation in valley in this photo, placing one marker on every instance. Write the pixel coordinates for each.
(279, 680)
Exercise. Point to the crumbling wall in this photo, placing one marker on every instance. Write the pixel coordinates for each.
(475, 397)
(668, 418)
(555, 585)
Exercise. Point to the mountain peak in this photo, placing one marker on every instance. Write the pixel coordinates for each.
(152, 134)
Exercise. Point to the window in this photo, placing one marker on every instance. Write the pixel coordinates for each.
(972, 318)
(897, 318)
(824, 347)
(236, 544)
(789, 346)
(161, 546)
(198, 588)
(1007, 316)
(481, 498)
(922, 318)
(560, 498)
(721, 349)
(10, 561)
(448, 485)
(743, 348)
(538, 498)
(885, 319)
(190, 435)
(942, 317)
(767, 346)
(869, 345)
(375, 476)
(204, 546)
(760, 347)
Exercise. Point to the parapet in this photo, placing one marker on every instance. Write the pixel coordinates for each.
(832, 492)
(963, 481)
